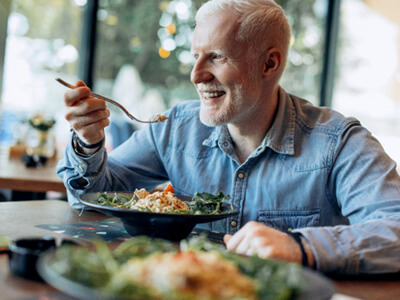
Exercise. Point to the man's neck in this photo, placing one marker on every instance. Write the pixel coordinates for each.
(244, 146)
(249, 135)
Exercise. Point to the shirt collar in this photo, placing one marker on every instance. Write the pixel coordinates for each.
(212, 140)
(280, 137)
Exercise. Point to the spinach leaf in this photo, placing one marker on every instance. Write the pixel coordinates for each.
(209, 204)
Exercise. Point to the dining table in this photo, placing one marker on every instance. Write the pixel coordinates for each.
(31, 182)
(57, 219)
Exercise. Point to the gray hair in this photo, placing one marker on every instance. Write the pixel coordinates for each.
(262, 22)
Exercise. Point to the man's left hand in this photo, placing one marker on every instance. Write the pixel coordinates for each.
(266, 242)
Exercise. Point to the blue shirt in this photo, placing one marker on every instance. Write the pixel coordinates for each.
(315, 172)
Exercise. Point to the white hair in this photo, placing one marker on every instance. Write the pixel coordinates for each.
(263, 23)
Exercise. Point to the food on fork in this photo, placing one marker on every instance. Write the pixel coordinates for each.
(159, 118)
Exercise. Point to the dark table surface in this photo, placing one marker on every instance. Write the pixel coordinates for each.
(57, 219)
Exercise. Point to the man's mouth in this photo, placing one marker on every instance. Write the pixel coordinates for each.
(213, 94)
(210, 91)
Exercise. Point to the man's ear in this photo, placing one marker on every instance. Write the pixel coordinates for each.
(272, 62)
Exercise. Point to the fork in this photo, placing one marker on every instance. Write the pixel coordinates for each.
(155, 119)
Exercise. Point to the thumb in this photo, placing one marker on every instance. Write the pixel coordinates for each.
(80, 83)
(227, 237)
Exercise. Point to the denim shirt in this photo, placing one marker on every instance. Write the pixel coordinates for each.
(315, 172)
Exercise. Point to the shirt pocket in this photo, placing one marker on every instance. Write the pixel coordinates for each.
(289, 219)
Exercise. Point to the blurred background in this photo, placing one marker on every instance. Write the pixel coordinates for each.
(344, 54)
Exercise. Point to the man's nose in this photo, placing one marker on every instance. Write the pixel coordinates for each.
(200, 72)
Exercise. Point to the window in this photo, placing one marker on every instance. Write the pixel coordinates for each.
(142, 54)
(143, 51)
(367, 83)
(141, 57)
(42, 43)
(305, 63)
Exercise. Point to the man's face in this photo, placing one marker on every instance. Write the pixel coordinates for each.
(228, 82)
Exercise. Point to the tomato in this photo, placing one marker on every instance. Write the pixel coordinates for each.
(169, 188)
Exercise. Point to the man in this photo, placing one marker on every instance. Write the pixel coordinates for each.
(289, 166)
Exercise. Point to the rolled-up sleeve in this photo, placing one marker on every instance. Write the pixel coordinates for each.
(366, 185)
(79, 173)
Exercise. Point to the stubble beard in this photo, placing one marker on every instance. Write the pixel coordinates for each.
(225, 112)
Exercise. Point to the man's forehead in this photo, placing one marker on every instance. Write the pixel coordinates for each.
(213, 29)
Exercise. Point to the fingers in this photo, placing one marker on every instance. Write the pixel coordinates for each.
(89, 124)
(240, 240)
(87, 115)
(87, 111)
(266, 242)
(227, 237)
(80, 83)
(74, 96)
(93, 133)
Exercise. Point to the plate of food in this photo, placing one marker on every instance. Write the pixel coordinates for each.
(149, 268)
(161, 214)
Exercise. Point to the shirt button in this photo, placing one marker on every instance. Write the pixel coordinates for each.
(80, 167)
(225, 144)
(240, 175)
(233, 223)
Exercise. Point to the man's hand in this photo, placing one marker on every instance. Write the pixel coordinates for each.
(266, 242)
(87, 115)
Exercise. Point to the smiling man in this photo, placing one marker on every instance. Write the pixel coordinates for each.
(237, 80)
(311, 185)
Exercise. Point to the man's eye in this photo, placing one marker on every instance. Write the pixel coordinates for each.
(195, 56)
(217, 56)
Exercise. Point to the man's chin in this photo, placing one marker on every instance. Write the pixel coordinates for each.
(210, 121)
(208, 124)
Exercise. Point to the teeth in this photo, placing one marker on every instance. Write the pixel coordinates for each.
(210, 90)
(212, 94)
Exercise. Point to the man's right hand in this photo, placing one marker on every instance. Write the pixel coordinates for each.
(87, 115)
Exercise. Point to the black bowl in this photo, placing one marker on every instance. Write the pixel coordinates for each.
(23, 255)
(170, 226)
